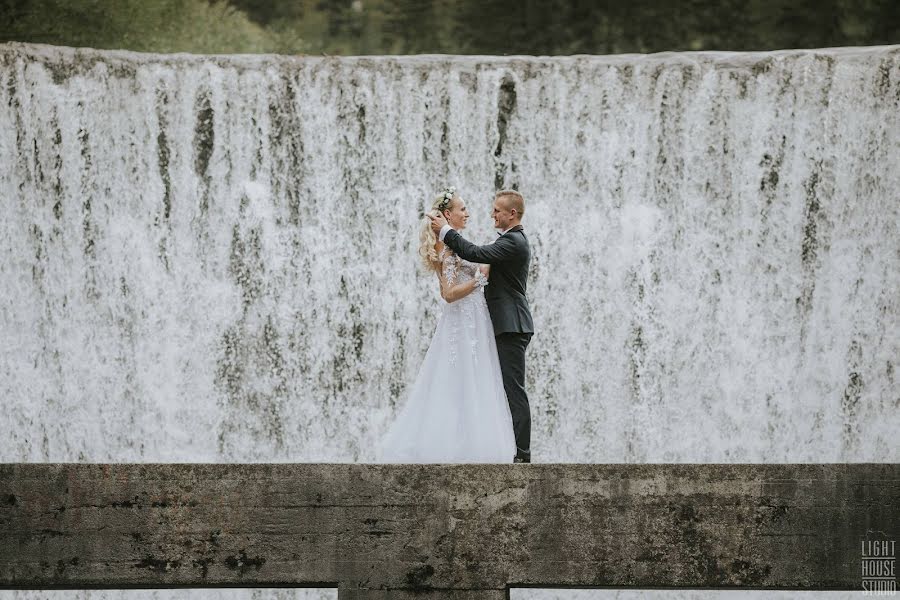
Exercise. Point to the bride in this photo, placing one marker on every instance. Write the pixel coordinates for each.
(456, 410)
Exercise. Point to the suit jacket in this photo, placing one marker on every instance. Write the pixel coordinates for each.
(509, 257)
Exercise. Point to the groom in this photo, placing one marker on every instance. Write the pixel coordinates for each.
(509, 257)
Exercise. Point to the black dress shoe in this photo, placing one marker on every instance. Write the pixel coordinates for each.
(522, 459)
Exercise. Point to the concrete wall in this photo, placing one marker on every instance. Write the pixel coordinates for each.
(442, 531)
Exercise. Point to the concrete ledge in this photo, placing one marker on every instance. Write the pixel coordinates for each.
(442, 531)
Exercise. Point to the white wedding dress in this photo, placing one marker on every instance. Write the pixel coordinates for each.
(456, 411)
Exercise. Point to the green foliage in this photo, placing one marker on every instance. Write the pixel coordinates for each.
(194, 26)
(346, 27)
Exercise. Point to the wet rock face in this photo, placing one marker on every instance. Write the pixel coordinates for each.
(214, 258)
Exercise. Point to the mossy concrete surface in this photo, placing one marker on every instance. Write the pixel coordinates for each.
(442, 531)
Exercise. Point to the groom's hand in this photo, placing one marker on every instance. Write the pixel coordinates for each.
(437, 223)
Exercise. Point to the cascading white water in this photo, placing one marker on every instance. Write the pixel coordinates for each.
(214, 258)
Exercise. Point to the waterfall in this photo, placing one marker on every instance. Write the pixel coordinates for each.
(213, 259)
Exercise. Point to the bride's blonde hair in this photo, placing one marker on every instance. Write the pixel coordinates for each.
(427, 238)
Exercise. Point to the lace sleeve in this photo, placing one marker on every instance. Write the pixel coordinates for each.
(450, 266)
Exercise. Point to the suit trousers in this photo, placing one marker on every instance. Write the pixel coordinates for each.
(511, 352)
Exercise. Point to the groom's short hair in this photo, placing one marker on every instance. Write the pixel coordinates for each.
(515, 200)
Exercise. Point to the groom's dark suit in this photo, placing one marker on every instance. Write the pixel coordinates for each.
(509, 257)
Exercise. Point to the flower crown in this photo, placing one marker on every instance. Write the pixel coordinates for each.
(447, 197)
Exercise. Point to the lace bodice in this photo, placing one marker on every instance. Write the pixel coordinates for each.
(462, 316)
(455, 269)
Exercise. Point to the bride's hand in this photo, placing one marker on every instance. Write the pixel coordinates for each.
(486, 270)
